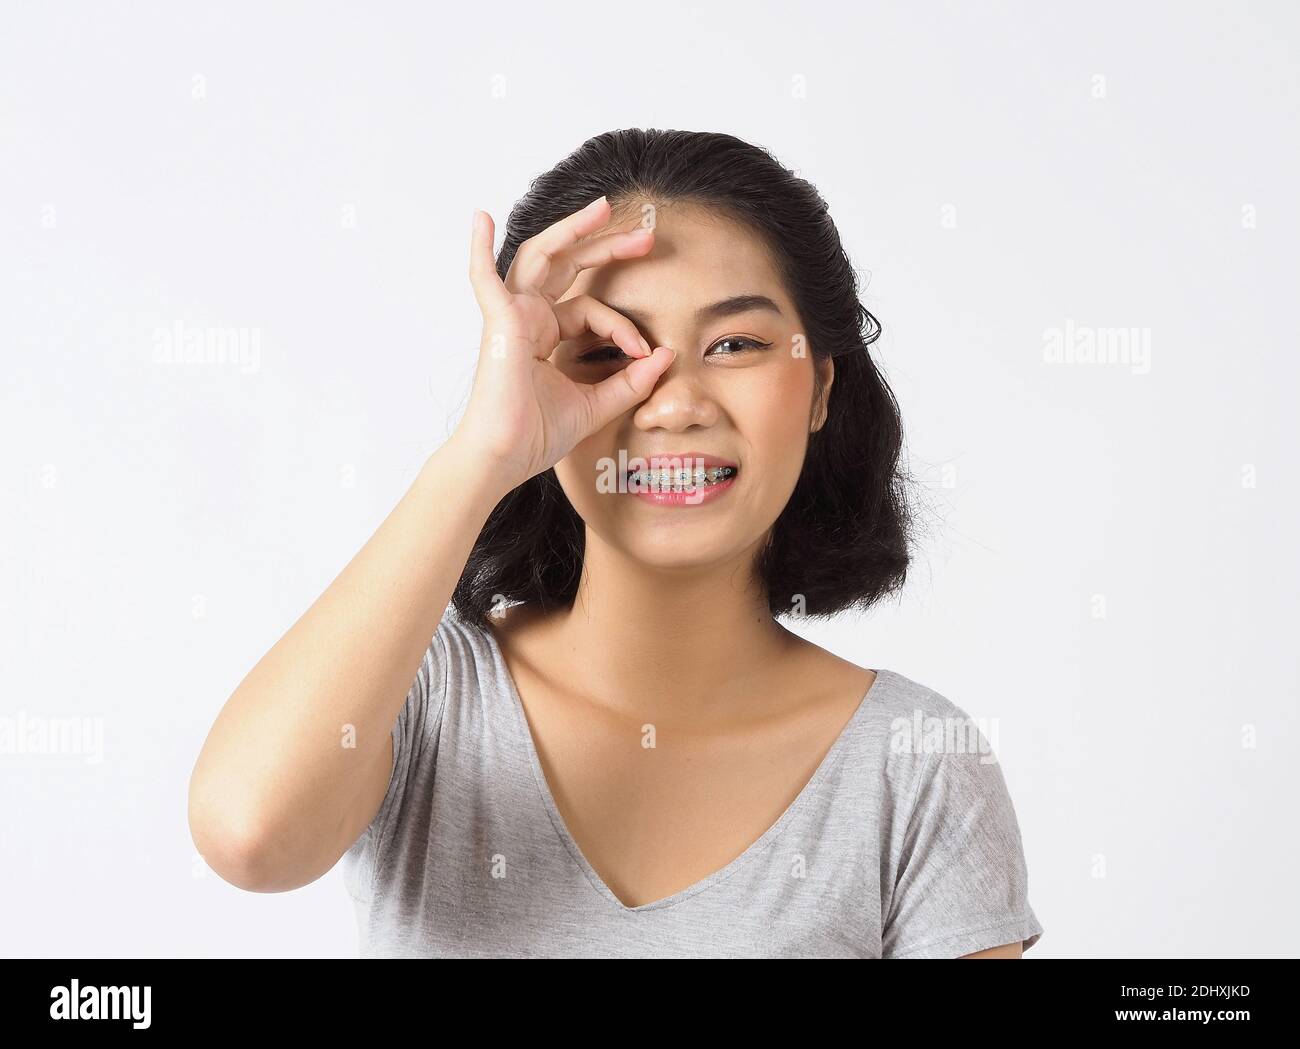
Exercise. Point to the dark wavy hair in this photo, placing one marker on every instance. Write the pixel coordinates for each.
(842, 539)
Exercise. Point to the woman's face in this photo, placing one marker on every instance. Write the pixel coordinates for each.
(740, 388)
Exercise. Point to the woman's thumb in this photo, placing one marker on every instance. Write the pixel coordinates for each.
(627, 387)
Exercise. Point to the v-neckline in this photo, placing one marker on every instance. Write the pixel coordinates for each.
(824, 768)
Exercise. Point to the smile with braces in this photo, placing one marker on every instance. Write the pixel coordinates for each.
(679, 480)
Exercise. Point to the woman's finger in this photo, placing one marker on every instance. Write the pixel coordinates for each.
(583, 313)
(626, 388)
(532, 262)
(565, 267)
(488, 287)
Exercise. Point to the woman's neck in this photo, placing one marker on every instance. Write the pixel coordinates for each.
(700, 640)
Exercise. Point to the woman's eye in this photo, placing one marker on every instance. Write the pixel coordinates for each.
(604, 354)
(742, 343)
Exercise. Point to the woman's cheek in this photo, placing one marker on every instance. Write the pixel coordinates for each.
(590, 463)
(773, 415)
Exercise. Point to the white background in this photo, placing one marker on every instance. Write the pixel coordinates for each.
(1109, 571)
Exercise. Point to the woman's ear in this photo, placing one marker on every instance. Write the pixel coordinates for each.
(826, 372)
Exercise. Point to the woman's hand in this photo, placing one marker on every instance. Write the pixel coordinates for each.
(524, 413)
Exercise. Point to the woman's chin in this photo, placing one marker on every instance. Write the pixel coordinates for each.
(677, 549)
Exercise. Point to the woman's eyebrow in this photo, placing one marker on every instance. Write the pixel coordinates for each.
(728, 307)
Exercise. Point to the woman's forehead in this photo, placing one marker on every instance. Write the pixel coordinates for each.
(686, 221)
(692, 264)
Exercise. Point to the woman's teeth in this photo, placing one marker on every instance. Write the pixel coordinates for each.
(679, 480)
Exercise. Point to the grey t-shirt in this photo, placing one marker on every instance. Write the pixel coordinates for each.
(904, 844)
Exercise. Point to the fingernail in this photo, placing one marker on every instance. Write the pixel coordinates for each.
(596, 203)
(645, 346)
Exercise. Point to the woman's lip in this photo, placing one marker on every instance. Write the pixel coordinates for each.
(676, 460)
(685, 498)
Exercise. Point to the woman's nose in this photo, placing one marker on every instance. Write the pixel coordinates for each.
(681, 398)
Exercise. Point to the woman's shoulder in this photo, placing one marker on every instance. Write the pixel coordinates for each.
(900, 692)
(901, 716)
(956, 857)
(469, 630)
(891, 691)
(501, 622)
(922, 720)
(476, 652)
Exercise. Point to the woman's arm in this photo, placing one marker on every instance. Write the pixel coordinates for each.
(275, 797)
(1007, 950)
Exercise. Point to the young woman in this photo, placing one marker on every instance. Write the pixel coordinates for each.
(603, 742)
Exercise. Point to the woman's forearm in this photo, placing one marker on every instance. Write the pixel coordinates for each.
(281, 787)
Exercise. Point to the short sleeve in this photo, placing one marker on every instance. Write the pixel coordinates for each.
(413, 732)
(961, 883)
